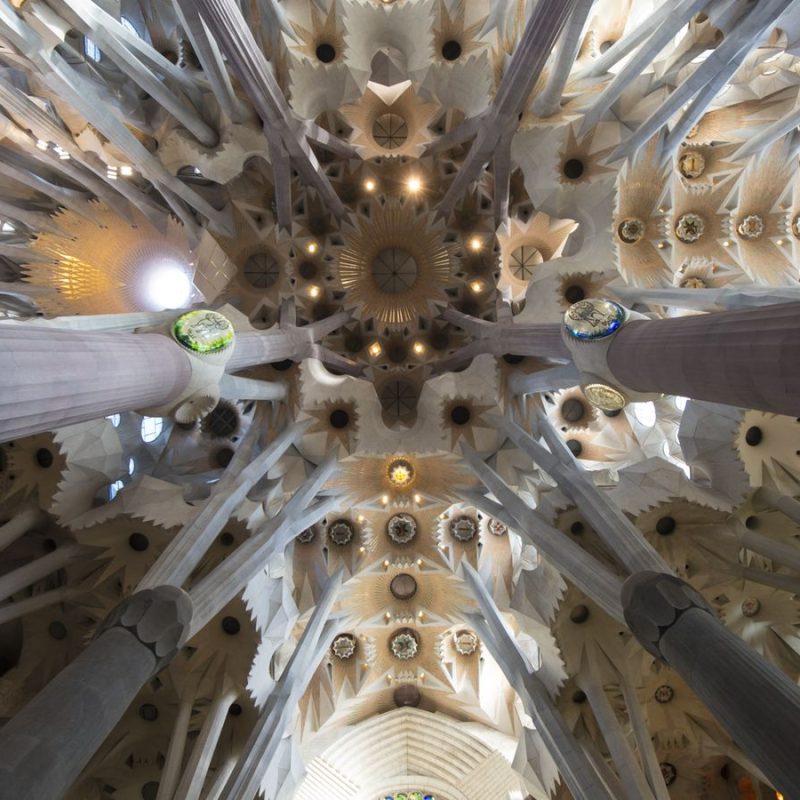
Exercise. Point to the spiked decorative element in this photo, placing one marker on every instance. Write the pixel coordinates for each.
(395, 265)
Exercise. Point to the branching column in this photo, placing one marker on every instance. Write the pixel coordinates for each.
(752, 699)
(46, 745)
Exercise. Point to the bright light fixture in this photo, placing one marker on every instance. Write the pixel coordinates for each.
(414, 184)
(166, 284)
(369, 185)
(476, 244)
(314, 291)
(312, 248)
(476, 286)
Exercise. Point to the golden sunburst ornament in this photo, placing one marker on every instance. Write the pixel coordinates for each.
(395, 265)
(400, 473)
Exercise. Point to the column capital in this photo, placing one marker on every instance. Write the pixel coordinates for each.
(589, 328)
(158, 618)
(653, 602)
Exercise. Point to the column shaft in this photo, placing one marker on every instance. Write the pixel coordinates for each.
(747, 358)
(753, 700)
(53, 378)
(46, 745)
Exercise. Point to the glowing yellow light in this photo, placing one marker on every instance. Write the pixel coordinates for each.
(417, 498)
(419, 562)
(414, 184)
(661, 245)
(42, 144)
(420, 615)
(126, 171)
(369, 185)
(386, 564)
(312, 248)
(476, 244)
(314, 291)
(375, 349)
(476, 286)
(385, 499)
(360, 518)
(422, 676)
(419, 348)
(780, 242)
(362, 549)
(726, 244)
(400, 472)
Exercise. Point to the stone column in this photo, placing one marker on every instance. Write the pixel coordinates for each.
(746, 358)
(46, 745)
(752, 699)
(53, 378)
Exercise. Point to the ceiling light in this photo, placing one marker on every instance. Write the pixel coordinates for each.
(414, 184)
(369, 185)
(419, 348)
(314, 291)
(476, 286)
(312, 248)
(476, 244)
(126, 170)
(375, 349)
(166, 284)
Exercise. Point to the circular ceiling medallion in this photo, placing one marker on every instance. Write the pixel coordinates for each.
(401, 528)
(394, 270)
(463, 528)
(403, 586)
(524, 260)
(631, 230)
(497, 528)
(407, 694)
(399, 398)
(604, 397)
(341, 532)
(395, 264)
(344, 646)
(465, 642)
(262, 270)
(400, 473)
(593, 319)
(203, 331)
(690, 227)
(390, 131)
(691, 164)
(404, 644)
(751, 227)
(664, 694)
